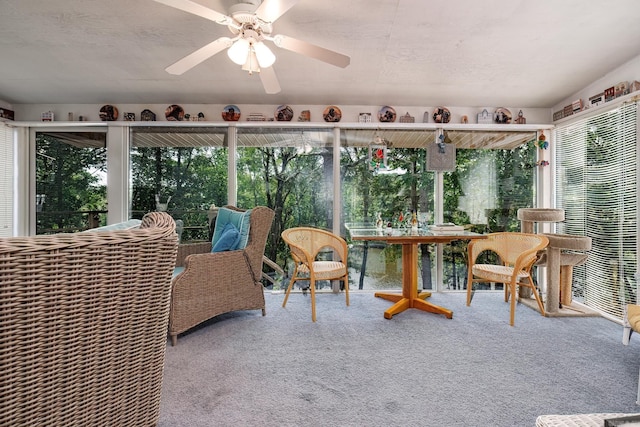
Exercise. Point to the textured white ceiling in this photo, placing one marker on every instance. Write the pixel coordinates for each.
(403, 52)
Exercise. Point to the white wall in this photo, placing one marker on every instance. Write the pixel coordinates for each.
(212, 112)
(628, 72)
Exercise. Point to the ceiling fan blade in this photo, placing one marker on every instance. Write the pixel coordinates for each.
(269, 80)
(311, 50)
(198, 9)
(270, 10)
(200, 55)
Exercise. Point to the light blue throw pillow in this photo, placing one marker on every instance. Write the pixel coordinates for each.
(177, 271)
(228, 240)
(240, 220)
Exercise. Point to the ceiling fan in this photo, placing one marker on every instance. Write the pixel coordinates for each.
(250, 22)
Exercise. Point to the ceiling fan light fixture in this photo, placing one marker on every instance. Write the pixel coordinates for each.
(239, 51)
(265, 56)
(251, 64)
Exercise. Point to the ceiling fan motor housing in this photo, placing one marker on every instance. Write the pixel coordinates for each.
(244, 11)
(246, 20)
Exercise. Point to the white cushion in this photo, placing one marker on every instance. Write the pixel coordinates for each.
(325, 270)
(496, 273)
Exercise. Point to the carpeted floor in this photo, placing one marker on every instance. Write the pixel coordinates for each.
(355, 368)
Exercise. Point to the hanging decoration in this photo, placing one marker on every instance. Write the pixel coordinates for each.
(378, 154)
(543, 144)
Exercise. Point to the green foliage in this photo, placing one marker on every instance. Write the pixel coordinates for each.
(70, 178)
(297, 185)
(366, 193)
(194, 178)
(190, 179)
(487, 187)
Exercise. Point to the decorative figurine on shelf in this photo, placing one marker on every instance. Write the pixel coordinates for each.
(389, 228)
(379, 222)
(147, 116)
(401, 220)
(542, 141)
(520, 120)
(414, 220)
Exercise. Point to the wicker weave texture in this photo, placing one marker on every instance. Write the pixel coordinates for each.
(512, 248)
(83, 321)
(517, 252)
(305, 244)
(216, 283)
(577, 420)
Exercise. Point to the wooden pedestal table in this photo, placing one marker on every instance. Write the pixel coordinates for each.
(410, 239)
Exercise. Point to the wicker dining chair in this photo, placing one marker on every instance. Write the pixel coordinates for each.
(305, 244)
(517, 252)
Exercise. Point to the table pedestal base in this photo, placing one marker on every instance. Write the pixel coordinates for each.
(410, 241)
(402, 303)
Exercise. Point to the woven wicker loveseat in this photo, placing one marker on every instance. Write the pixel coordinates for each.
(213, 283)
(83, 324)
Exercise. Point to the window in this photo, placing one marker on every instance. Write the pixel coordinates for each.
(597, 186)
(392, 187)
(6, 180)
(494, 176)
(71, 186)
(182, 171)
(291, 171)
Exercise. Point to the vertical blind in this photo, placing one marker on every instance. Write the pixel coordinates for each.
(597, 185)
(6, 180)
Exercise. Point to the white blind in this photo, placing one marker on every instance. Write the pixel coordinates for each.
(597, 183)
(6, 180)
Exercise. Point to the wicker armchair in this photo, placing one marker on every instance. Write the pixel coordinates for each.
(219, 282)
(305, 244)
(517, 252)
(83, 321)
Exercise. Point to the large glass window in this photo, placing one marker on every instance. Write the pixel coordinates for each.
(494, 176)
(383, 172)
(70, 181)
(182, 171)
(384, 175)
(291, 171)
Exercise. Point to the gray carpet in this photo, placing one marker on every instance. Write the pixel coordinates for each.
(355, 368)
